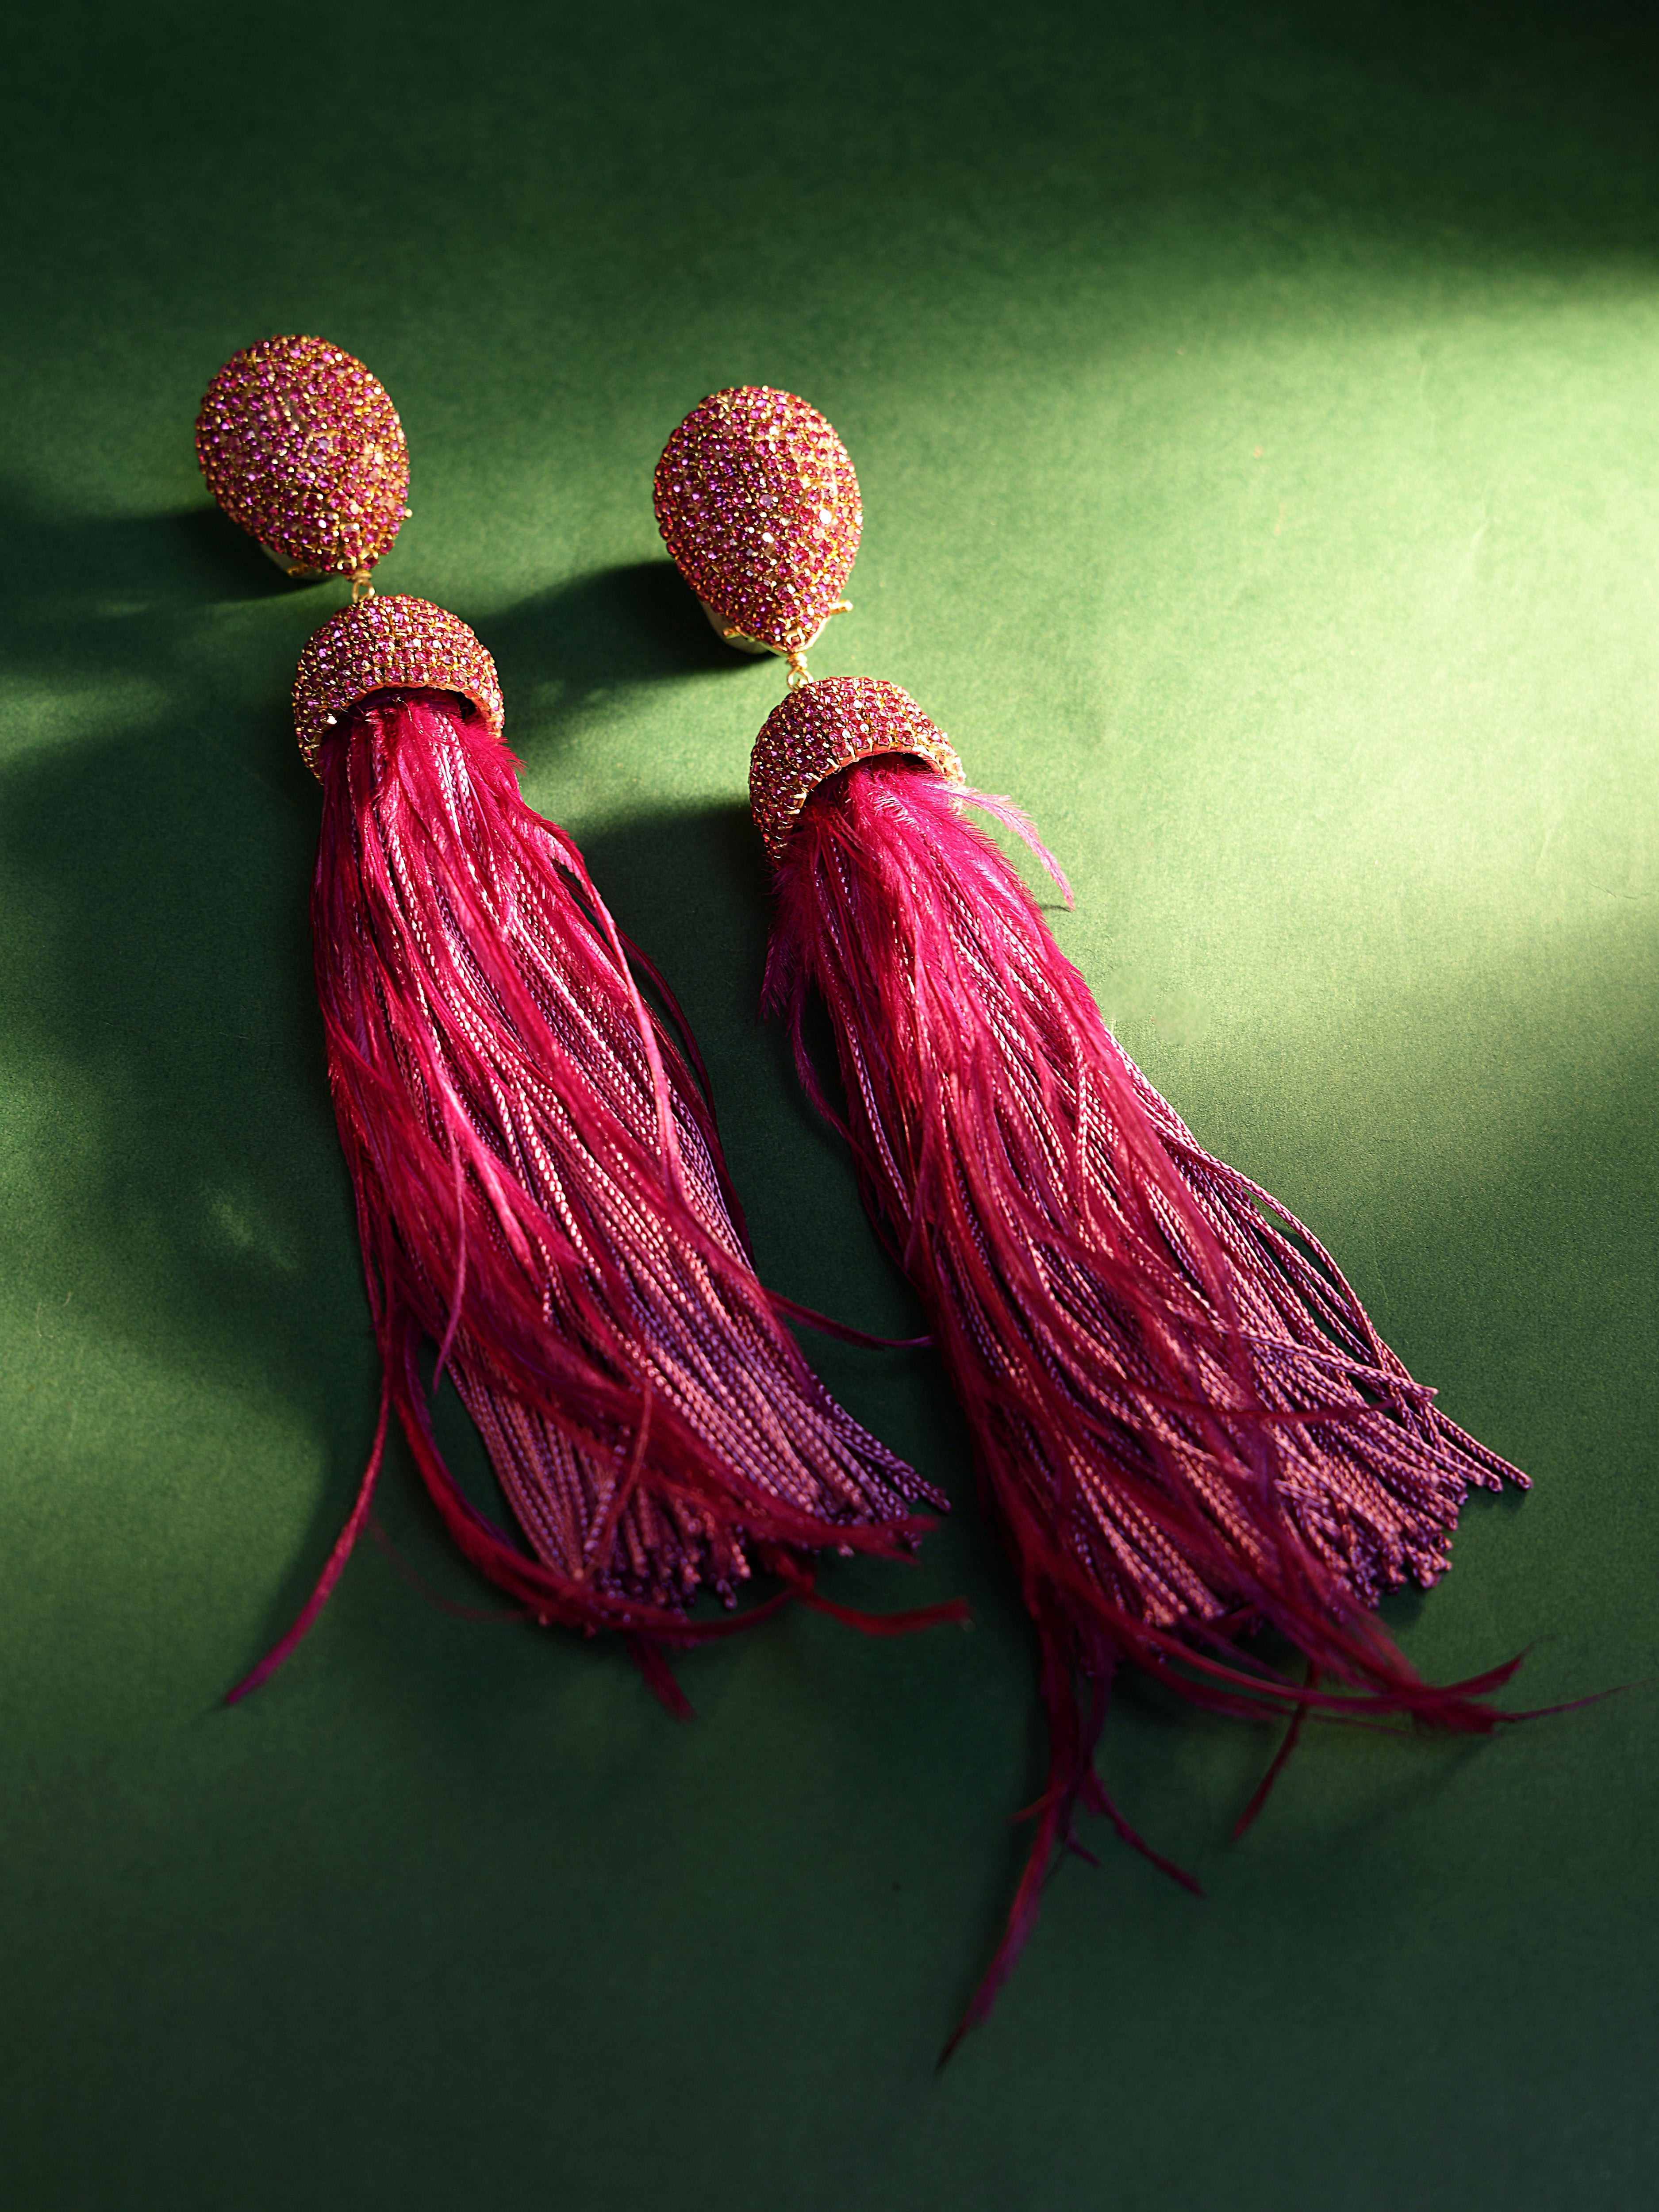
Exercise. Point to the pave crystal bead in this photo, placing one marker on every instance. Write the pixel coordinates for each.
(303, 448)
(758, 504)
(388, 644)
(826, 725)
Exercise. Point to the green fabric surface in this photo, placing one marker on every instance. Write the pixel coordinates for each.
(1259, 436)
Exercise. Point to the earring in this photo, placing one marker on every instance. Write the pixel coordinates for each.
(539, 1186)
(1184, 1422)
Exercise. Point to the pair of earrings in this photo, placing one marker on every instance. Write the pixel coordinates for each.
(1185, 1425)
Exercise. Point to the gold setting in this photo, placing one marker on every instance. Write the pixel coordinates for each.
(824, 724)
(381, 644)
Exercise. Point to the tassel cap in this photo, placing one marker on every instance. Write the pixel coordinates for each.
(382, 645)
(826, 725)
(758, 504)
(303, 448)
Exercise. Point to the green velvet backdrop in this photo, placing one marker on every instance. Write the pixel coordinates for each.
(1256, 416)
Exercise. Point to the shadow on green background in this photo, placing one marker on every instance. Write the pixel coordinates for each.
(1253, 409)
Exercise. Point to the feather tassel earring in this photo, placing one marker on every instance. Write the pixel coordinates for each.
(539, 1186)
(1185, 1425)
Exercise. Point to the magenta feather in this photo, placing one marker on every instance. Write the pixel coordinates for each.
(1185, 1424)
(541, 1194)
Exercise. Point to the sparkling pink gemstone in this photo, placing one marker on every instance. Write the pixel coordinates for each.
(303, 448)
(757, 502)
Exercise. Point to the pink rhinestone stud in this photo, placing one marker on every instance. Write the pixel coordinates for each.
(388, 644)
(303, 448)
(828, 725)
(757, 502)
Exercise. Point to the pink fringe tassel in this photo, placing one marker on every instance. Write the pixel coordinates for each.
(1186, 1424)
(540, 1192)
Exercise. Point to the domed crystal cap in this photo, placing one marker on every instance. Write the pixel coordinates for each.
(758, 504)
(388, 644)
(303, 448)
(826, 725)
